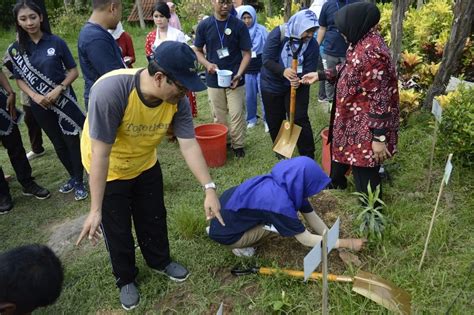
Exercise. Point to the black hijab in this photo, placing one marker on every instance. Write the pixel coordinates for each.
(356, 19)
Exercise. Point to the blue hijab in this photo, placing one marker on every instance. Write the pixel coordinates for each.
(299, 23)
(258, 33)
(284, 191)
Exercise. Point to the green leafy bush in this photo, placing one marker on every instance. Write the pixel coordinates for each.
(456, 132)
(67, 22)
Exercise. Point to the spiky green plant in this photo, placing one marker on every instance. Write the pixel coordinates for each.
(371, 220)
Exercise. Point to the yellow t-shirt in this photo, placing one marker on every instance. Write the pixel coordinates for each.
(138, 133)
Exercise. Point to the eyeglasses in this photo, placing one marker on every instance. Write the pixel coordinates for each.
(181, 88)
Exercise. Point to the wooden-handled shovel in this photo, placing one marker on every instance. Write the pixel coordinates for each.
(373, 287)
(289, 133)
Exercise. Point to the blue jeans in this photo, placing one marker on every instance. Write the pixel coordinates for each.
(252, 90)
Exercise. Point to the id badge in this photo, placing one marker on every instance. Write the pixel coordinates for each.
(223, 53)
(254, 54)
(299, 69)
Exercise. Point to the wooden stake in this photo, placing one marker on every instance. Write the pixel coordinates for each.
(138, 3)
(435, 137)
(325, 273)
(441, 187)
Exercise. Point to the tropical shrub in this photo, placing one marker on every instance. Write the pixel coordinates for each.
(456, 131)
(277, 20)
(67, 22)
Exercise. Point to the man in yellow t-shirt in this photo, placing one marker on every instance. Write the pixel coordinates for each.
(130, 111)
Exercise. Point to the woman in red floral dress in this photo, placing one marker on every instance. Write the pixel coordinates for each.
(364, 121)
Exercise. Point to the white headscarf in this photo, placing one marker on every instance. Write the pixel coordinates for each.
(117, 32)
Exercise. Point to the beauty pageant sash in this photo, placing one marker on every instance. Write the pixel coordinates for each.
(70, 116)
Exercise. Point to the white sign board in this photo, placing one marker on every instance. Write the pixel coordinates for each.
(447, 171)
(220, 311)
(436, 110)
(313, 258)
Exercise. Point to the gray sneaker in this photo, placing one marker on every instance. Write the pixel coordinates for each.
(129, 296)
(175, 272)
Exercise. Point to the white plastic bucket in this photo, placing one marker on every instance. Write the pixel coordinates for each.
(224, 78)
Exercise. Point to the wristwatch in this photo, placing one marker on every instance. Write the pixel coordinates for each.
(210, 185)
(63, 87)
(381, 138)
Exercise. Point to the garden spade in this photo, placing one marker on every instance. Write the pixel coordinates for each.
(289, 133)
(381, 291)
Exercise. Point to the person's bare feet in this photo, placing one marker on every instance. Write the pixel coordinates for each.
(355, 244)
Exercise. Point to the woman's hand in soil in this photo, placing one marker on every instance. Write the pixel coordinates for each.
(381, 152)
(310, 78)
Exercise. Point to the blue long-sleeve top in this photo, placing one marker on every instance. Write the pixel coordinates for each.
(272, 79)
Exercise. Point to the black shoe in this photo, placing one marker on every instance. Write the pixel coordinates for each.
(6, 204)
(239, 153)
(33, 189)
(279, 156)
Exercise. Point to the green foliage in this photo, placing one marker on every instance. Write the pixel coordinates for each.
(281, 305)
(7, 21)
(189, 13)
(456, 132)
(371, 220)
(67, 22)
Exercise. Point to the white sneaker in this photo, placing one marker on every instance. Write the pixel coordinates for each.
(32, 155)
(267, 130)
(208, 228)
(251, 125)
(244, 252)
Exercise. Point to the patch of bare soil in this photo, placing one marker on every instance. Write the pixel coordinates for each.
(64, 235)
(287, 252)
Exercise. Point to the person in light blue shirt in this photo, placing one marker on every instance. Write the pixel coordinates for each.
(258, 36)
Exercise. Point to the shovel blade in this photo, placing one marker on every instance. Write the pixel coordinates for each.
(286, 139)
(382, 292)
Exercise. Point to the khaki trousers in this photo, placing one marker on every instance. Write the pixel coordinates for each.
(232, 102)
(252, 237)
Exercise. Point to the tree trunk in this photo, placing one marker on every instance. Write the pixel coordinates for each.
(287, 10)
(396, 31)
(460, 30)
(138, 3)
(419, 4)
(268, 6)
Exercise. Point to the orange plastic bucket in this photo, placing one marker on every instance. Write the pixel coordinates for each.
(213, 138)
(326, 151)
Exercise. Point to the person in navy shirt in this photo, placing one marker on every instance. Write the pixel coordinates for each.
(98, 51)
(277, 75)
(228, 47)
(45, 69)
(335, 46)
(272, 202)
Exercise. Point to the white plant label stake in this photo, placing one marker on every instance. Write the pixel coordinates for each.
(220, 311)
(447, 173)
(325, 309)
(437, 111)
(313, 258)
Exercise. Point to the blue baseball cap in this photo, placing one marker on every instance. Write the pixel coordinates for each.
(179, 62)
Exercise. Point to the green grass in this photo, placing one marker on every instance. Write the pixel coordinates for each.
(89, 284)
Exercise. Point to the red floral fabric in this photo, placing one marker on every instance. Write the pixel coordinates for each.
(150, 39)
(366, 99)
